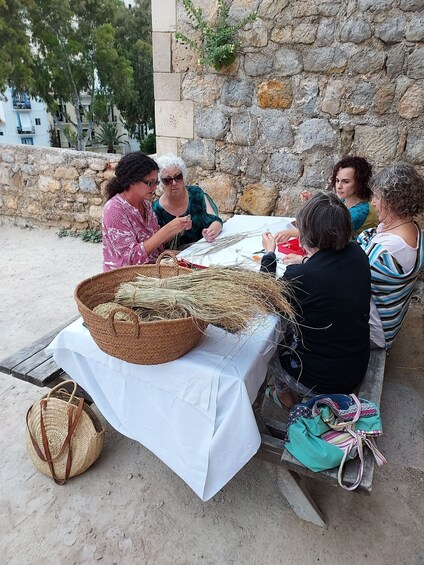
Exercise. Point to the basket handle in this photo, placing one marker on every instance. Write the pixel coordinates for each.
(61, 385)
(167, 254)
(135, 320)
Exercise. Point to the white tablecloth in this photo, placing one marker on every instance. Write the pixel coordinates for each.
(194, 413)
(239, 253)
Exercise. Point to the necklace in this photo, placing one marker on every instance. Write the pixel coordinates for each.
(394, 227)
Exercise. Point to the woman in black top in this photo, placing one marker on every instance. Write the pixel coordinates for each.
(328, 351)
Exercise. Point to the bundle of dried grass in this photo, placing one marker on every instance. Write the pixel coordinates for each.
(226, 297)
(144, 314)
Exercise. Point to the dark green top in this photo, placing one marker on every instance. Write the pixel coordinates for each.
(199, 217)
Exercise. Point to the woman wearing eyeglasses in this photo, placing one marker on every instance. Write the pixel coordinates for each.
(131, 233)
(180, 200)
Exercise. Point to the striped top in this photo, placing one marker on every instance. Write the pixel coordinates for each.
(391, 287)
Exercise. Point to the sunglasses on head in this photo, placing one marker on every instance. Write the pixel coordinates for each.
(169, 180)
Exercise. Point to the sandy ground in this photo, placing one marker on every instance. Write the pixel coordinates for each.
(129, 508)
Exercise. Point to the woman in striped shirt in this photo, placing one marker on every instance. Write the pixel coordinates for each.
(395, 249)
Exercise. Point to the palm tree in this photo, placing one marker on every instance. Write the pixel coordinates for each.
(108, 135)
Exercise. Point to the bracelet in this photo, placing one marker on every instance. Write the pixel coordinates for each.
(304, 259)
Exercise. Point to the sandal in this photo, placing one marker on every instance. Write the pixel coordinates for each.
(271, 393)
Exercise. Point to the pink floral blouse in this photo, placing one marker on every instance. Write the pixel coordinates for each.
(124, 232)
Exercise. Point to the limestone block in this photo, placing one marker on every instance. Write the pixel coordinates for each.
(392, 30)
(96, 201)
(108, 174)
(317, 170)
(333, 95)
(184, 58)
(237, 93)
(254, 162)
(97, 164)
(66, 173)
(275, 94)
(325, 59)
(164, 15)
(10, 202)
(395, 60)
(270, 9)
(306, 96)
(414, 150)
(166, 145)
(288, 62)
(27, 169)
(258, 200)
(384, 98)
(313, 134)
(244, 129)
(374, 5)
(95, 213)
(205, 90)
(303, 8)
(79, 163)
(258, 64)
(411, 105)
(212, 123)
(416, 64)
(361, 99)
(33, 209)
(282, 35)
(257, 36)
(4, 174)
(379, 144)
(87, 184)
(16, 181)
(199, 153)
(355, 31)
(415, 29)
(284, 167)
(223, 191)
(229, 159)
(174, 119)
(305, 33)
(367, 61)
(161, 44)
(56, 158)
(287, 204)
(328, 8)
(48, 184)
(81, 198)
(71, 187)
(411, 5)
(167, 86)
(7, 156)
(275, 129)
(325, 33)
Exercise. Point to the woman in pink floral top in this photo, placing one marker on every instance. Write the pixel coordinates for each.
(131, 233)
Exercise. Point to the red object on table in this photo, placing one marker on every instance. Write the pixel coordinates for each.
(291, 246)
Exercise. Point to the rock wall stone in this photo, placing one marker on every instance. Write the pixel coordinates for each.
(314, 81)
(53, 187)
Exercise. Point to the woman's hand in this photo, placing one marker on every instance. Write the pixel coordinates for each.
(292, 259)
(268, 242)
(179, 224)
(209, 234)
(285, 235)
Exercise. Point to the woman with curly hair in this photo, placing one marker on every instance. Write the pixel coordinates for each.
(350, 180)
(394, 249)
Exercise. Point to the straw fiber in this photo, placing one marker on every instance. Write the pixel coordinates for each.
(143, 343)
(86, 441)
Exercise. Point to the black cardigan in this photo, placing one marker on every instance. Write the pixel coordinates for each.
(331, 298)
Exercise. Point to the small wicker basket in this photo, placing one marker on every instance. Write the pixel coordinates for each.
(143, 343)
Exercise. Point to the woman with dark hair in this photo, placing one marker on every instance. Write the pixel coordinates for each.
(328, 350)
(131, 233)
(395, 249)
(350, 180)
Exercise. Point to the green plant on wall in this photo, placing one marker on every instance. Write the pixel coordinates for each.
(218, 45)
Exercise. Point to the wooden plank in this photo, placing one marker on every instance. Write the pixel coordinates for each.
(44, 374)
(7, 364)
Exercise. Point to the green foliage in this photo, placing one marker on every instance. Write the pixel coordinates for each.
(108, 135)
(219, 44)
(54, 141)
(91, 235)
(148, 144)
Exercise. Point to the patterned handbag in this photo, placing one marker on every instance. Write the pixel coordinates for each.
(326, 431)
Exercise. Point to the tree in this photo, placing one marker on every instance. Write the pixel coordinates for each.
(108, 135)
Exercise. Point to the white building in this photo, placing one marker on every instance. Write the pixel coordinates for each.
(23, 120)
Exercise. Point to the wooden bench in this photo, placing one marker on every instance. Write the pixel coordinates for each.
(32, 365)
(288, 470)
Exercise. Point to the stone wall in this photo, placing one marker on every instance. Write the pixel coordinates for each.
(53, 187)
(315, 80)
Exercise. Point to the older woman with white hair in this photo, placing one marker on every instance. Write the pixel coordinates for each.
(180, 200)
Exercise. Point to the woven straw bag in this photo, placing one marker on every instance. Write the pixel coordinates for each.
(143, 343)
(64, 436)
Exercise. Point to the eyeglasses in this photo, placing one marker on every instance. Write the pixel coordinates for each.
(169, 180)
(151, 183)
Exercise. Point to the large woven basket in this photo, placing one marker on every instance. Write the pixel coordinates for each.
(62, 453)
(143, 343)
